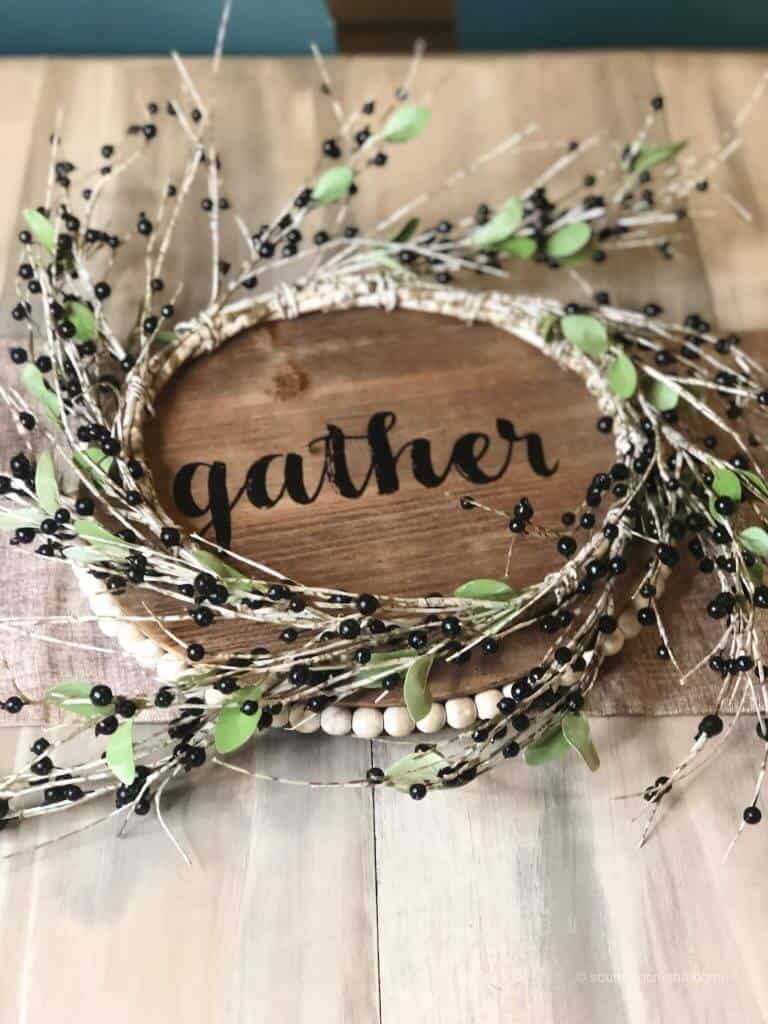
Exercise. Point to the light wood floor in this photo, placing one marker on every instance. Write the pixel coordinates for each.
(523, 897)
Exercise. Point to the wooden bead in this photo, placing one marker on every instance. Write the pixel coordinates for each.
(397, 721)
(129, 637)
(434, 721)
(460, 712)
(367, 723)
(169, 667)
(335, 721)
(147, 653)
(282, 718)
(486, 702)
(103, 604)
(304, 721)
(88, 584)
(613, 643)
(629, 625)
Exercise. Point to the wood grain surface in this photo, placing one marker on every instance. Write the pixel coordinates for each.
(519, 898)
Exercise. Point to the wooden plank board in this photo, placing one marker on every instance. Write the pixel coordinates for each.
(277, 911)
(98, 97)
(521, 897)
(526, 898)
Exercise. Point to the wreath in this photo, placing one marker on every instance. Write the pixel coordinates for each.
(682, 403)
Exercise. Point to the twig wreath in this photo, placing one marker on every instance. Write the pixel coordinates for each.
(681, 402)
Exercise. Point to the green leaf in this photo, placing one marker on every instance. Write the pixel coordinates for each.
(523, 247)
(25, 517)
(96, 534)
(120, 753)
(233, 728)
(46, 488)
(622, 376)
(546, 325)
(663, 396)
(500, 227)
(422, 766)
(35, 384)
(41, 228)
(757, 481)
(406, 123)
(83, 320)
(649, 156)
(93, 457)
(85, 556)
(74, 696)
(585, 332)
(418, 699)
(408, 231)
(486, 590)
(550, 747)
(382, 662)
(332, 186)
(726, 484)
(568, 240)
(575, 729)
(755, 539)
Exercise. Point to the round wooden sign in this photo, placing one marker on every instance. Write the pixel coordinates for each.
(335, 448)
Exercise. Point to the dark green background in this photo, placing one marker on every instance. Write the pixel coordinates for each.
(288, 26)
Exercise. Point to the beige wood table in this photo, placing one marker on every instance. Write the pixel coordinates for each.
(523, 897)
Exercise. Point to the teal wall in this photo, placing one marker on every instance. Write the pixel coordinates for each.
(156, 26)
(573, 24)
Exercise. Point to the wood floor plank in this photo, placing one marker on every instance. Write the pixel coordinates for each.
(275, 920)
(524, 896)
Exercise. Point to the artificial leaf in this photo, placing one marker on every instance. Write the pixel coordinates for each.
(120, 753)
(95, 533)
(41, 228)
(421, 766)
(34, 382)
(74, 696)
(649, 156)
(406, 123)
(585, 332)
(332, 185)
(756, 480)
(486, 590)
(84, 555)
(755, 539)
(622, 376)
(523, 247)
(235, 580)
(25, 517)
(575, 729)
(233, 728)
(418, 699)
(546, 325)
(500, 227)
(83, 320)
(568, 240)
(726, 484)
(407, 231)
(550, 747)
(46, 488)
(380, 665)
(93, 457)
(663, 396)
(756, 572)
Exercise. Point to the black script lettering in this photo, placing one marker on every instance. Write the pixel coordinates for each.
(468, 452)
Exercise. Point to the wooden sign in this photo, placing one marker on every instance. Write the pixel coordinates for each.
(336, 449)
